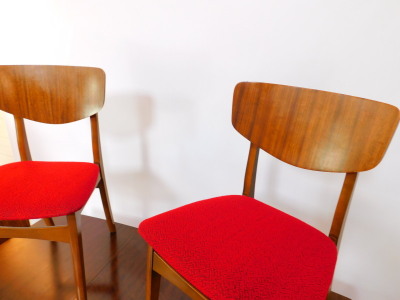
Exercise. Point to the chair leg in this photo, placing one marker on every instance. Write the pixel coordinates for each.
(106, 205)
(77, 254)
(49, 222)
(152, 278)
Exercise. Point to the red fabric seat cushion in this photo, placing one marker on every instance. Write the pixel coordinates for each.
(33, 190)
(235, 247)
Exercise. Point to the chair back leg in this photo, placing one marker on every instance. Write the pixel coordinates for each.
(106, 205)
(49, 222)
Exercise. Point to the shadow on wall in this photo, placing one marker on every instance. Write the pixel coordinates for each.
(133, 187)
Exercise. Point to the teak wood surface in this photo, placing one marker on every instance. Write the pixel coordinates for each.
(51, 94)
(309, 129)
(55, 95)
(115, 266)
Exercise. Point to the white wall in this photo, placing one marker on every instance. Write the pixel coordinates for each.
(6, 153)
(166, 133)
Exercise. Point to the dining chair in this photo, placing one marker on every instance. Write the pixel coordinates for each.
(236, 247)
(46, 189)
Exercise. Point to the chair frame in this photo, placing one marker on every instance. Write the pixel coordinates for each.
(41, 87)
(250, 129)
(70, 233)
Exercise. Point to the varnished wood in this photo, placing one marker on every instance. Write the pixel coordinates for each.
(75, 239)
(69, 233)
(55, 95)
(342, 207)
(114, 266)
(113, 272)
(310, 129)
(251, 171)
(96, 146)
(165, 270)
(17, 223)
(153, 279)
(49, 221)
(51, 94)
(56, 233)
(313, 129)
(336, 296)
(156, 266)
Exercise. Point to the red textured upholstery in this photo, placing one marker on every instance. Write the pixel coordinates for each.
(32, 189)
(235, 247)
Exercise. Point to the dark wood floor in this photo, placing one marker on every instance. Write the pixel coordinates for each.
(115, 267)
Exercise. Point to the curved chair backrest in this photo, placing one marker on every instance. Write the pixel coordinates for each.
(51, 94)
(314, 129)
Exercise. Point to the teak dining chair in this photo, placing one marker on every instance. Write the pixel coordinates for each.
(37, 189)
(235, 247)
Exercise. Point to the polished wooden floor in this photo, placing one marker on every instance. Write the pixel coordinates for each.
(115, 267)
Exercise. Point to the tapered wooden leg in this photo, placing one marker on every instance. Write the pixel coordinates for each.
(152, 278)
(106, 205)
(49, 222)
(94, 124)
(77, 254)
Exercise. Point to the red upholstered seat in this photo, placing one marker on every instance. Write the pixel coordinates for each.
(235, 247)
(33, 190)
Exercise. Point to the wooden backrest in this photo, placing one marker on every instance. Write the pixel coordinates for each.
(313, 130)
(51, 94)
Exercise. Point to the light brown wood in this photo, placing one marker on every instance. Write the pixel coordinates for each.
(161, 267)
(251, 171)
(51, 94)
(69, 233)
(152, 277)
(49, 221)
(313, 129)
(96, 146)
(306, 128)
(75, 240)
(114, 265)
(342, 207)
(18, 223)
(56, 233)
(56, 95)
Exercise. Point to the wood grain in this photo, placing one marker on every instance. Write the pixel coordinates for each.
(51, 94)
(306, 128)
(165, 270)
(251, 171)
(314, 129)
(98, 159)
(115, 266)
(55, 95)
(69, 233)
(342, 206)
